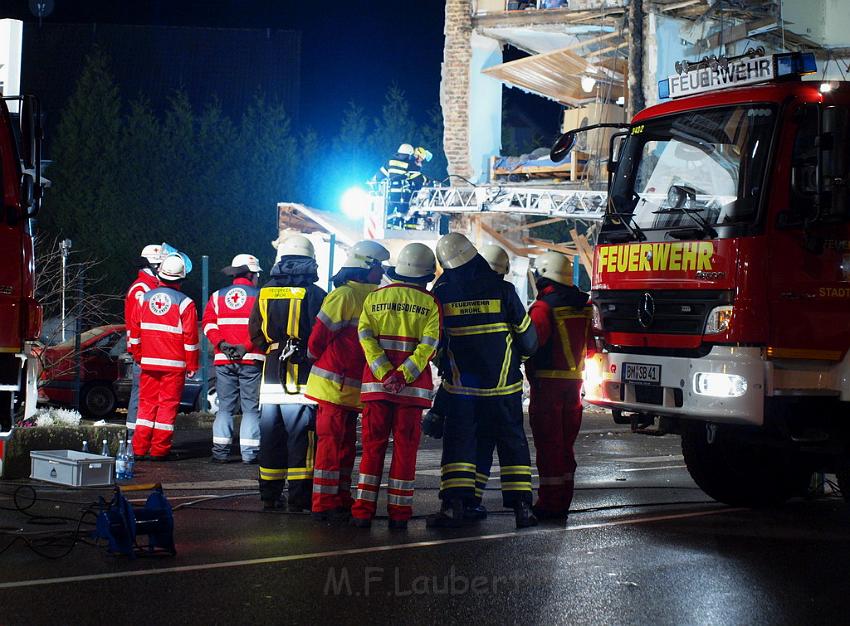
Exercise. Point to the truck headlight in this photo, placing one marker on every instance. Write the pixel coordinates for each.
(719, 320)
(592, 371)
(720, 385)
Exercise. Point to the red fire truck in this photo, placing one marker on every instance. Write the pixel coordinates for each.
(20, 314)
(721, 278)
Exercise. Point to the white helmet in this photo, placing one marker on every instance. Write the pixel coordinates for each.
(295, 245)
(555, 266)
(366, 254)
(497, 258)
(248, 260)
(172, 268)
(415, 261)
(454, 250)
(153, 253)
(405, 148)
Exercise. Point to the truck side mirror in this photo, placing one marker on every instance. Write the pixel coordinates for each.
(27, 191)
(28, 133)
(562, 146)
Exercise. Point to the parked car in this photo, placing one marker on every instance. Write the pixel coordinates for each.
(105, 374)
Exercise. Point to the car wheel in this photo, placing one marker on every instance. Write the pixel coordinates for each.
(212, 400)
(97, 400)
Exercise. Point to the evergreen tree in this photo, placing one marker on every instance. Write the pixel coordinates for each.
(84, 200)
(395, 126)
(142, 176)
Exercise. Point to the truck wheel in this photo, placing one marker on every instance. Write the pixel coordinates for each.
(741, 473)
(97, 400)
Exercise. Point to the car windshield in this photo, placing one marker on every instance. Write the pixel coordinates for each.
(694, 170)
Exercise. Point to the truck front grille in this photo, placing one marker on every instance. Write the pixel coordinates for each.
(655, 311)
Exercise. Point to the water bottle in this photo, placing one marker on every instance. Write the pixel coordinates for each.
(130, 459)
(85, 446)
(104, 449)
(121, 462)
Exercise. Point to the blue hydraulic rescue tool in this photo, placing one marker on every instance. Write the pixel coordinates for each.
(120, 524)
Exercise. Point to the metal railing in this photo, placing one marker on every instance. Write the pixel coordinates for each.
(574, 203)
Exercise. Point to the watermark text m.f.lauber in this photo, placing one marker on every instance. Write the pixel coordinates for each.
(345, 581)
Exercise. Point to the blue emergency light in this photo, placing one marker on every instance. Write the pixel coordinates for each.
(795, 64)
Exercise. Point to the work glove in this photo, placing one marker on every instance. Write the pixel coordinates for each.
(234, 351)
(394, 382)
(432, 425)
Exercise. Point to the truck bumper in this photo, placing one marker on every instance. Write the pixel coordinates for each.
(679, 392)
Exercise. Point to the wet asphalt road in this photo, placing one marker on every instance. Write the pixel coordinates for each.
(642, 546)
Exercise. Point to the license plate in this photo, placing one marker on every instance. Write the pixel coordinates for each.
(641, 373)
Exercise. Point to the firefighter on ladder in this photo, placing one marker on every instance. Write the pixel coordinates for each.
(399, 330)
(562, 316)
(403, 176)
(149, 260)
(336, 375)
(487, 332)
(164, 336)
(280, 324)
(237, 360)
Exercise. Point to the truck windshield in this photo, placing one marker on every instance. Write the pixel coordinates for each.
(690, 172)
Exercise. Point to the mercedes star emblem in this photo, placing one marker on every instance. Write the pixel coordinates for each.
(646, 310)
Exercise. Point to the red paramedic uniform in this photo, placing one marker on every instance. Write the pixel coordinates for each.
(164, 334)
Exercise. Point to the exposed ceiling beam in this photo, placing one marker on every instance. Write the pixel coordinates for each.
(676, 5)
(546, 222)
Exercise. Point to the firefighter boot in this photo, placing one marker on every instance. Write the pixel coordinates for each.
(360, 522)
(524, 517)
(546, 514)
(450, 515)
(397, 524)
(334, 516)
(475, 512)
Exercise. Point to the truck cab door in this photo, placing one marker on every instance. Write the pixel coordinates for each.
(11, 244)
(809, 269)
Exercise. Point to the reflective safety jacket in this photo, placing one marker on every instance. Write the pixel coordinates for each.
(562, 317)
(226, 319)
(145, 281)
(284, 313)
(395, 171)
(164, 331)
(338, 369)
(399, 329)
(487, 332)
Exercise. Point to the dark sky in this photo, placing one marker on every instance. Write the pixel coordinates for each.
(350, 49)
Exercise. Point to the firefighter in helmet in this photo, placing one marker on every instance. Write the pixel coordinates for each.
(399, 330)
(336, 375)
(562, 317)
(487, 333)
(280, 324)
